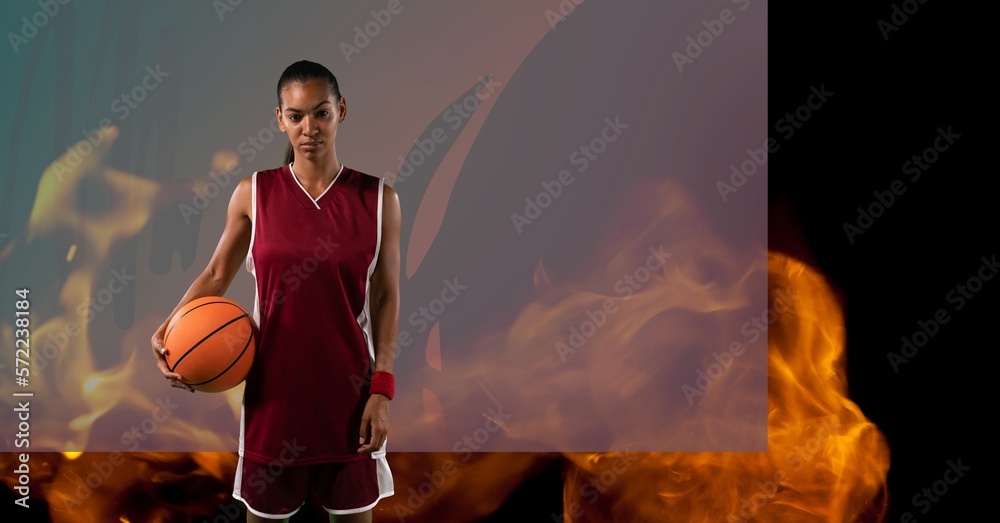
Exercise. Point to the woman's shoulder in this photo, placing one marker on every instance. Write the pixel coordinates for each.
(377, 183)
(361, 178)
(358, 173)
(271, 172)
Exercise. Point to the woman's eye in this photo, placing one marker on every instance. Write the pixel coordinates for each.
(294, 117)
(324, 113)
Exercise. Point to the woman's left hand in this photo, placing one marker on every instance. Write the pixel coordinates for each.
(376, 416)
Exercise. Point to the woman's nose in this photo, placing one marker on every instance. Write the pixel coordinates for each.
(308, 126)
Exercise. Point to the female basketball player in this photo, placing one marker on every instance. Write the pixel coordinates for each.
(322, 242)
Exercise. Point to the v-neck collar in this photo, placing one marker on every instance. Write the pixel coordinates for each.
(307, 198)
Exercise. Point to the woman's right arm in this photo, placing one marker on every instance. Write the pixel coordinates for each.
(215, 279)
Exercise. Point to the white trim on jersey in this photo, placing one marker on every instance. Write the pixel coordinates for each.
(365, 318)
(253, 233)
(242, 425)
(316, 199)
(385, 483)
(256, 309)
(253, 216)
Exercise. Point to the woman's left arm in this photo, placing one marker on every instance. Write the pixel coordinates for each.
(385, 320)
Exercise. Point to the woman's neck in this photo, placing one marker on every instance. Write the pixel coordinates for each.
(319, 173)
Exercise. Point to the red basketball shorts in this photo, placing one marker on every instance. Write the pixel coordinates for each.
(278, 491)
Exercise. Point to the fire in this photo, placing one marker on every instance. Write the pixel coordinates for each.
(824, 461)
(93, 398)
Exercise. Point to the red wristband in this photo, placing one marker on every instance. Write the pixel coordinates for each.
(383, 383)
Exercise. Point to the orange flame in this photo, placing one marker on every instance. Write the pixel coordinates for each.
(825, 461)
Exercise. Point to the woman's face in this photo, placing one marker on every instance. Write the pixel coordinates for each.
(310, 115)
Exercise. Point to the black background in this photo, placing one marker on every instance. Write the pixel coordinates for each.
(891, 97)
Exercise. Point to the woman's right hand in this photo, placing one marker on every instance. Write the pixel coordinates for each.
(160, 353)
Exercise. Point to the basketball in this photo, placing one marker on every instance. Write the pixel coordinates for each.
(211, 342)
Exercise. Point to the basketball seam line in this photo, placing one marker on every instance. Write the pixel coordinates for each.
(209, 335)
(238, 358)
(174, 321)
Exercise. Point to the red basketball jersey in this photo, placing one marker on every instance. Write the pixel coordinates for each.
(312, 262)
